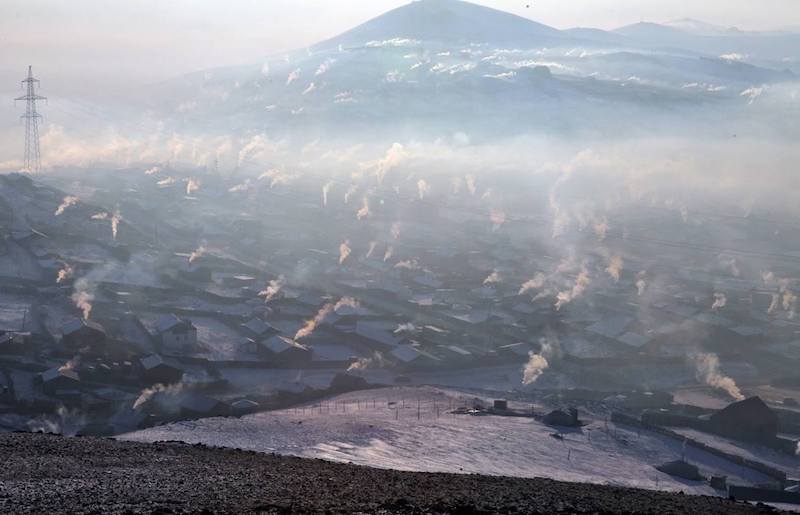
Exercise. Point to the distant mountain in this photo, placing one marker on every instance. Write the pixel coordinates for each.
(765, 48)
(437, 67)
(700, 28)
(451, 21)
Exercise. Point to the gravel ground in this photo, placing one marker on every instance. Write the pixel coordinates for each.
(52, 474)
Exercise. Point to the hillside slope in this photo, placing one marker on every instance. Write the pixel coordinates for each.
(50, 474)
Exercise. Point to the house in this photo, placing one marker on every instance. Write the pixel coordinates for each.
(79, 334)
(681, 469)
(14, 343)
(244, 406)
(257, 329)
(749, 420)
(155, 371)
(59, 379)
(563, 419)
(195, 405)
(409, 356)
(285, 350)
(516, 351)
(378, 335)
(176, 334)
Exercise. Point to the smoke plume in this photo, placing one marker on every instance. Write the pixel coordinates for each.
(344, 252)
(196, 254)
(364, 211)
(720, 300)
(707, 370)
(614, 268)
(115, 220)
(493, 278)
(68, 201)
(192, 185)
(423, 188)
(578, 288)
(64, 274)
(273, 288)
(538, 363)
(311, 325)
(325, 189)
(533, 284)
(83, 296)
(374, 361)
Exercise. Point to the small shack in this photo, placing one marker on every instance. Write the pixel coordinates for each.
(681, 469)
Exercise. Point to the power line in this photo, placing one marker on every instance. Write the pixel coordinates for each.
(33, 158)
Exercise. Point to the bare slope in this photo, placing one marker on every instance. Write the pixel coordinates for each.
(49, 474)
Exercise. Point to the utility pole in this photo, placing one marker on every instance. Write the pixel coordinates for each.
(32, 153)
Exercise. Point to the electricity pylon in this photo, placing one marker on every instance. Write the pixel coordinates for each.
(32, 154)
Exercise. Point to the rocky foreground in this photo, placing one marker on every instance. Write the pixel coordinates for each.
(52, 474)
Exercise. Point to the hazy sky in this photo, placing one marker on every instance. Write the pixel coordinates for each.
(120, 42)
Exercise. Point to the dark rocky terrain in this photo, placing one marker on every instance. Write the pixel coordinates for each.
(52, 474)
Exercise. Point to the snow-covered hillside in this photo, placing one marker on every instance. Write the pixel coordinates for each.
(411, 429)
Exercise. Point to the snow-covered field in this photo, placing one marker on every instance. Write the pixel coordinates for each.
(410, 429)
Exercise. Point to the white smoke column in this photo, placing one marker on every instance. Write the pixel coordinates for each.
(641, 284)
(494, 278)
(349, 193)
(83, 297)
(707, 366)
(325, 189)
(344, 251)
(374, 361)
(371, 250)
(538, 363)
(273, 288)
(115, 220)
(393, 158)
(100, 216)
(533, 284)
(776, 302)
(601, 229)
(388, 254)
(719, 301)
(614, 268)
(66, 422)
(64, 274)
(395, 230)
(498, 218)
(293, 76)
(470, 180)
(152, 171)
(347, 301)
(364, 211)
(166, 182)
(423, 188)
(312, 324)
(197, 253)
(581, 283)
(192, 185)
(148, 393)
(68, 201)
(410, 264)
(310, 89)
(70, 365)
(789, 302)
(406, 328)
(324, 67)
(240, 187)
